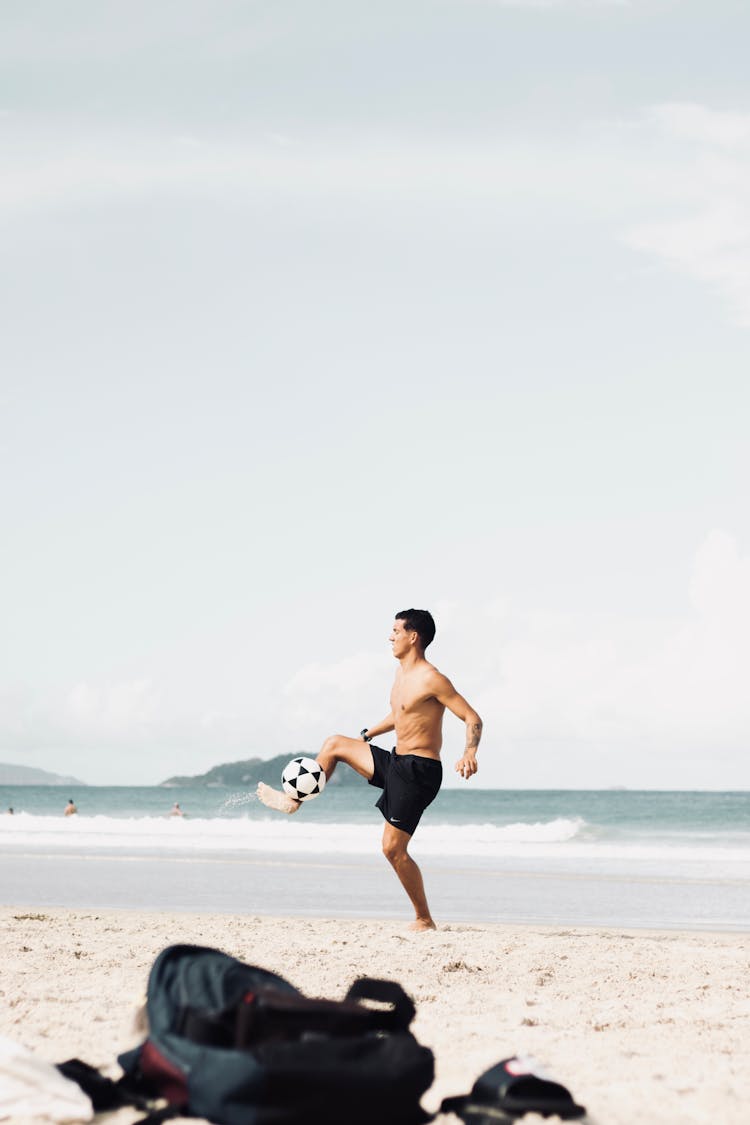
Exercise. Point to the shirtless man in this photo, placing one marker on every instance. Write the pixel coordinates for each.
(411, 773)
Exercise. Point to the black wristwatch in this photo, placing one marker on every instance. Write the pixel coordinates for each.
(364, 735)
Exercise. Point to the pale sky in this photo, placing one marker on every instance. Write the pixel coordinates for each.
(314, 312)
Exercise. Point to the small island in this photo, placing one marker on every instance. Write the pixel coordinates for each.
(29, 775)
(249, 772)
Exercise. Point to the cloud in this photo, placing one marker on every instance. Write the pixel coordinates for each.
(690, 121)
(117, 732)
(573, 700)
(567, 699)
(120, 710)
(47, 170)
(45, 165)
(694, 684)
(121, 713)
(613, 683)
(704, 157)
(321, 697)
(673, 184)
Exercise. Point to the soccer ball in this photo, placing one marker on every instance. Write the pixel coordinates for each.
(303, 779)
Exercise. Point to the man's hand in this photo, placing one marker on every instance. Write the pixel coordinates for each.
(467, 765)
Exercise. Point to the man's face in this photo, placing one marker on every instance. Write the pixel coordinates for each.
(401, 639)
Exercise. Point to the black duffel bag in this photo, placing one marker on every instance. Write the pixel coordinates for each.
(240, 1045)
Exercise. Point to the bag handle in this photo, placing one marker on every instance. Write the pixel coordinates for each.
(269, 1014)
(402, 1010)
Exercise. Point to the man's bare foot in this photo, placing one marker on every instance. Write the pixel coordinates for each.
(273, 799)
(422, 924)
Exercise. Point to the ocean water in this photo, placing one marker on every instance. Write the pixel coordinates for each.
(615, 857)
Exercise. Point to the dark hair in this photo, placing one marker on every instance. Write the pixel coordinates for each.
(418, 621)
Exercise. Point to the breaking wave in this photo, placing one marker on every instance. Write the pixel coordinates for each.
(272, 833)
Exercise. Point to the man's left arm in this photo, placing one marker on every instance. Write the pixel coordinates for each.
(446, 694)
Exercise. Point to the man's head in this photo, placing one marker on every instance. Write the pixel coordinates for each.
(418, 625)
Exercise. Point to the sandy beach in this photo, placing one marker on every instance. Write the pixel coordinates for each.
(641, 1026)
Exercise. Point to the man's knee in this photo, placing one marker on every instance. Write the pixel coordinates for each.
(395, 851)
(332, 746)
(340, 748)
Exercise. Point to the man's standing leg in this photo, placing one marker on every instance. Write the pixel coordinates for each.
(395, 844)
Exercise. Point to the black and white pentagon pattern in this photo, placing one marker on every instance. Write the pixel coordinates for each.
(303, 778)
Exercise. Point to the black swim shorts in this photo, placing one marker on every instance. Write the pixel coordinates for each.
(409, 783)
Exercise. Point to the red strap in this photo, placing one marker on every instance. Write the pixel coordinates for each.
(168, 1078)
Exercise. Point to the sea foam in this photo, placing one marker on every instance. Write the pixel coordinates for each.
(568, 842)
(270, 834)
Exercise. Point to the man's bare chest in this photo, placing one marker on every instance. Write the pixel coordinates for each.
(408, 698)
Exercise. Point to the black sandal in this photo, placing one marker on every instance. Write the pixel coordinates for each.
(510, 1089)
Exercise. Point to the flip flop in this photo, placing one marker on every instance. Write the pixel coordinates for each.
(510, 1089)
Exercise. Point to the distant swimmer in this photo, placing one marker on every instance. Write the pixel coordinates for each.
(176, 810)
(10, 811)
(70, 808)
(411, 773)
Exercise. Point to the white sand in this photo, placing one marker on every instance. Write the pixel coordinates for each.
(641, 1027)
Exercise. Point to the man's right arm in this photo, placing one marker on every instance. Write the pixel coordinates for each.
(386, 724)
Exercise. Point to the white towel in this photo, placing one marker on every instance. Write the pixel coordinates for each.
(34, 1090)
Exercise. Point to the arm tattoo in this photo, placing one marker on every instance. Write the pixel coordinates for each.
(474, 734)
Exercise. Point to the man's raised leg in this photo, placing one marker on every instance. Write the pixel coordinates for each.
(337, 748)
(395, 843)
